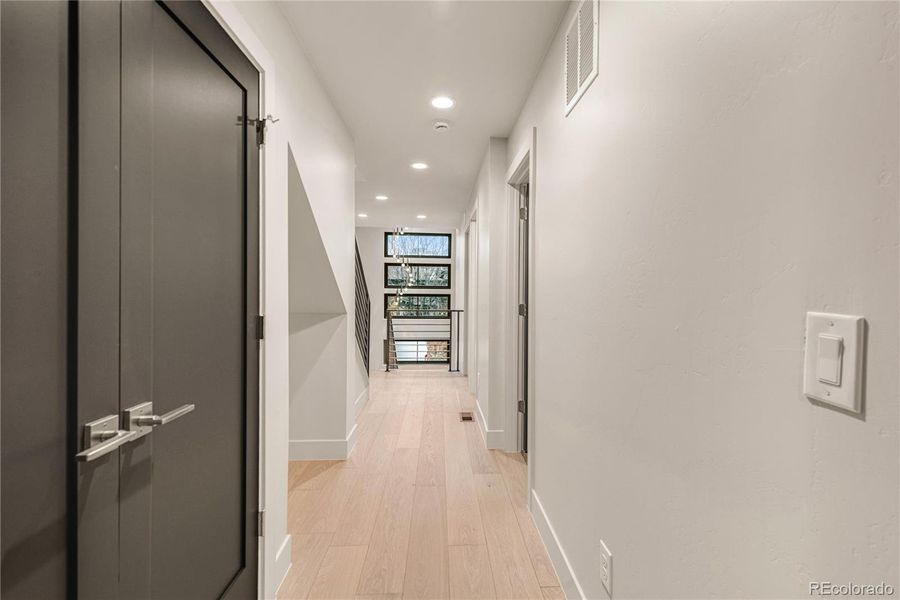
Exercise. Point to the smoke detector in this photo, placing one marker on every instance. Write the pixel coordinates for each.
(441, 125)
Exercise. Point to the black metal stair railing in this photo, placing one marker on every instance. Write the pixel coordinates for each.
(421, 335)
(363, 311)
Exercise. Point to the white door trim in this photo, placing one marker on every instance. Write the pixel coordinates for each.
(521, 170)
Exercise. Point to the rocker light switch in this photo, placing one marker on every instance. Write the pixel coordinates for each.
(828, 365)
(833, 370)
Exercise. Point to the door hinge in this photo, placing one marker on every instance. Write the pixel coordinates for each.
(523, 310)
(522, 406)
(260, 327)
(523, 213)
(260, 132)
(260, 523)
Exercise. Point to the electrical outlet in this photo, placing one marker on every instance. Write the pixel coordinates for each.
(606, 567)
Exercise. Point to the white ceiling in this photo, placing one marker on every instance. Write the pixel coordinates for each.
(382, 62)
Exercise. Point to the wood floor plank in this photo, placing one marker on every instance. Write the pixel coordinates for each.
(314, 474)
(339, 573)
(307, 552)
(433, 399)
(514, 470)
(470, 573)
(380, 454)
(449, 401)
(511, 567)
(553, 593)
(431, 450)
(427, 566)
(369, 425)
(318, 510)
(358, 515)
(465, 400)
(481, 459)
(385, 564)
(411, 429)
(463, 514)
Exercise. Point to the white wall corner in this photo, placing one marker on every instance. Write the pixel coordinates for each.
(564, 571)
(351, 440)
(493, 438)
(280, 569)
(360, 403)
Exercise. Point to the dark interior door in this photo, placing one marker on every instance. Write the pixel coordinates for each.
(130, 298)
(34, 314)
(189, 299)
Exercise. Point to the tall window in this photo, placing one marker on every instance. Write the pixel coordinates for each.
(421, 245)
(416, 276)
(417, 306)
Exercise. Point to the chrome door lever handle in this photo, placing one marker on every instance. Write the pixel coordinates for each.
(170, 416)
(141, 420)
(102, 437)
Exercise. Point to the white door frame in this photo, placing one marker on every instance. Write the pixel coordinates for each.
(471, 306)
(521, 170)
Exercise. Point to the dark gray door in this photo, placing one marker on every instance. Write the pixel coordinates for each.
(34, 315)
(130, 278)
(522, 336)
(189, 297)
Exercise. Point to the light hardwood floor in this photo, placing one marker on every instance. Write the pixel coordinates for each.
(421, 509)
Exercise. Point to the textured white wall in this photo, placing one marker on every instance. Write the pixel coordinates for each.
(733, 166)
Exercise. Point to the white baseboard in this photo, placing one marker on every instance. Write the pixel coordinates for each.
(322, 449)
(493, 438)
(567, 579)
(351, 439)
(282, 566)
(360, 403)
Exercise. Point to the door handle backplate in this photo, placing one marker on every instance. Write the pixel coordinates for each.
(131, 417)
(101, 437)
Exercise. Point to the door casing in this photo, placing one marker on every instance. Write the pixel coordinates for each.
(522, 169)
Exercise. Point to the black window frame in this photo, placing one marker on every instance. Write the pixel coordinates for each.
(388, 295)
(449, 237)
(420, 287)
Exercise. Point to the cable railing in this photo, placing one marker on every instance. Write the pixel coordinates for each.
(423, 336)
(363, 312)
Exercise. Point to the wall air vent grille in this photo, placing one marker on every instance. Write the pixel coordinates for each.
(581, 51)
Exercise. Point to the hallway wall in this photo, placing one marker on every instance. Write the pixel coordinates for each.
(493, 280)
(733, 166)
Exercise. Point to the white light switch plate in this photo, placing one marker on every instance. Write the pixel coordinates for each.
(822, 329)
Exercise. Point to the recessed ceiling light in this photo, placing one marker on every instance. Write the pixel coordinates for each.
(421, 217)
(362, 215)
(419, 166)
(381, 197)
(442, 102)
